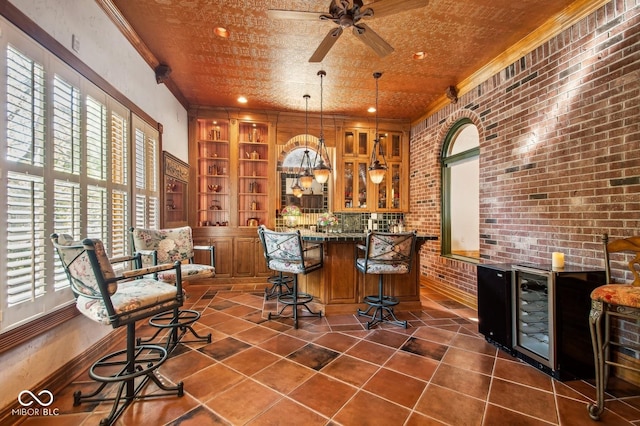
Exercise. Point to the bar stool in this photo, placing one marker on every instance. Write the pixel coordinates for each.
(385, 253)
(618, 301)
(285, 252)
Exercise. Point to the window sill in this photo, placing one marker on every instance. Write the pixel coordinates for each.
(25, 332)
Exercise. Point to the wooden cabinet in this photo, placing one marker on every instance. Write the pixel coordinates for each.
(175, 195)
(355, 191)
(234, 190)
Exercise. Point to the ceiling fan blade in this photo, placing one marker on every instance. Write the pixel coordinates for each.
(372, 39)
(389, 7)
(326, 45)
(293, 14)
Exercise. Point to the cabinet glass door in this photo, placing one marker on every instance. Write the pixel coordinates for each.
(355, 185)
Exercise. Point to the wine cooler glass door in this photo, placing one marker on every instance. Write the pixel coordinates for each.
(534, 315)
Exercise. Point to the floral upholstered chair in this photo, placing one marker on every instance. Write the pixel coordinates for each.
(119, 300)
(385, 253)
(158, 246)
(621, 301)
(165, 246)
(285, 252)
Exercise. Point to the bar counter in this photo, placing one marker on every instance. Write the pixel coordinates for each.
(338, 287)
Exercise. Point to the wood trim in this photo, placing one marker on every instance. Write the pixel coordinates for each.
(143, 50)
(551, 28)
(64, 376)
(23, 333)
(450, 291)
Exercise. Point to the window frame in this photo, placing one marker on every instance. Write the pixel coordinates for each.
(446, 163)
(41, 47)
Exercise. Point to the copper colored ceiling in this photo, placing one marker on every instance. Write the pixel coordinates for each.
(266, 60)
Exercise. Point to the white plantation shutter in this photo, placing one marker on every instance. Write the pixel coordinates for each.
(96, 139)
(119, 180)
(147, 204)
(97, 212)
(66, 127)
(66, 220)
(25, 277)
(24, 109)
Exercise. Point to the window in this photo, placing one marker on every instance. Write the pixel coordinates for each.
(67, 165)
(460, 192)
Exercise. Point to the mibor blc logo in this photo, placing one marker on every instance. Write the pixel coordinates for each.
(35, 404)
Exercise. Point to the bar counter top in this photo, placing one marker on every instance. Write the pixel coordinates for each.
(320, 237)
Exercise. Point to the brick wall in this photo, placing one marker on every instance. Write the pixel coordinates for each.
(559, 151)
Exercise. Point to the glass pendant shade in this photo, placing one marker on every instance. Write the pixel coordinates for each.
(296, 189)
(377, 172)
(322, 173)
(306, 180)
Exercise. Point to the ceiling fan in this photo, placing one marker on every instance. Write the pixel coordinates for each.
(349, 13)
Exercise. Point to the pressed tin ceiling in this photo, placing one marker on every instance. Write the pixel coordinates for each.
(267, 59)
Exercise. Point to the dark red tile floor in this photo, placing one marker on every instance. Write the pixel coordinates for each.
(333, 371)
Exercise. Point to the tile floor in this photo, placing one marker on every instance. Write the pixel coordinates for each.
(332, 371)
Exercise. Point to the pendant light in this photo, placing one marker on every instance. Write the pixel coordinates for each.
(321, 171)
(378, 164)
(306, 177)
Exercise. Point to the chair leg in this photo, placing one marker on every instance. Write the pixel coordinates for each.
(600, 354)
(125, 367)
(178, 323)
(382, 307)
(294, 300)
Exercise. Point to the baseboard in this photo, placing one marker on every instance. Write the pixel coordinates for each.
(62, 377)
(450, 291)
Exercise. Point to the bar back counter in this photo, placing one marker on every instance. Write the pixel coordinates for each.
(339, 288)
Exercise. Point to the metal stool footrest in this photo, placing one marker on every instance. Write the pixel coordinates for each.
(294, 300)
(277, 283)
(116, 368)
(381, 313)
(381, 301)
(179, 324)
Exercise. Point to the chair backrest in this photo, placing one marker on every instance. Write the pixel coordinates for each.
(170, 245)
(284, 246)
(630, 246)
(87, 266)
(385, 247)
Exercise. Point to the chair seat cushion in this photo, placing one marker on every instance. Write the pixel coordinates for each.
(617, 294)
(188, 271)
(294, 267)
(387, 267)
(131, 296)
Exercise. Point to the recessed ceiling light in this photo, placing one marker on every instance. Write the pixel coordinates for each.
(242, 100)
(371, 109)
(419, 55)
(221, 32)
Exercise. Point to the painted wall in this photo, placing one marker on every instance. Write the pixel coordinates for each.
(108, 53)
(559, 151)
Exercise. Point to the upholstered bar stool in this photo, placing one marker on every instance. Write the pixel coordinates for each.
(119, 300)
(385, 253)
(617, 302)
(285, 252)
(165, 246)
